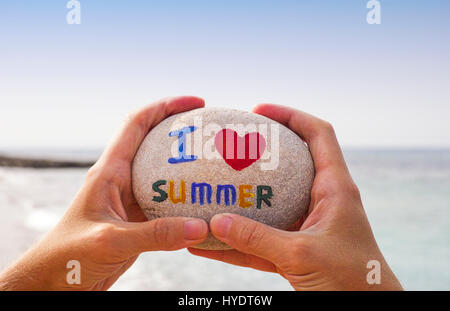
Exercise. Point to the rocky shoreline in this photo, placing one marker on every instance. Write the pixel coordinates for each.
(10, 161)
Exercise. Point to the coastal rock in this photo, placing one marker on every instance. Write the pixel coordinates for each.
(209, 161)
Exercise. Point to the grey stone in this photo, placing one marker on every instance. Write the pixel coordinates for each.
(291, 180)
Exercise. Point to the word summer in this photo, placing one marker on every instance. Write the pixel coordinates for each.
(244, 195)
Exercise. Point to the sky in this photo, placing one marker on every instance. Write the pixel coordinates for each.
(70, 86)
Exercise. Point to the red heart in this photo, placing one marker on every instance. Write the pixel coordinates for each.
(239, 152)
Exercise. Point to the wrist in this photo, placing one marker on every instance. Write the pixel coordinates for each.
(36, 270)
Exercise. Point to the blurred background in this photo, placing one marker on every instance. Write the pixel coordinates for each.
(65, 89)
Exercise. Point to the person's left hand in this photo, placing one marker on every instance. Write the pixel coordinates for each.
(104, 228)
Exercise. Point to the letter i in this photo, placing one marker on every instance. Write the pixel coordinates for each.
(181, 134)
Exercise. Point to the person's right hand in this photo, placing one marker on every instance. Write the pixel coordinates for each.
(335, 242)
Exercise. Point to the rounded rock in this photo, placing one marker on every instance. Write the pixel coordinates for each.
(210, 161)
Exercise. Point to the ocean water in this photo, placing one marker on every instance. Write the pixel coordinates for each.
(406, 194)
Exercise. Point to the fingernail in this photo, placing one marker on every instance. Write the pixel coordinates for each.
(221, 225)
(194, 229)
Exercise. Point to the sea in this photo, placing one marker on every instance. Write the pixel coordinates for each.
(406, 195)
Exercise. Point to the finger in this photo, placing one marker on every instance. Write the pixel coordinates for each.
(126, 143)
(237, 258)
(167, 234)
(251, 237)
(318, 134)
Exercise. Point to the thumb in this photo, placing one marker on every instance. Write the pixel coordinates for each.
(164, 234)
(251, 237)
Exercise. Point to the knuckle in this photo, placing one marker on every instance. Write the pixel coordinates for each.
(327, 127)
(93, 172)
(251, 235)
(99, 171)
(300, 248)
(137, 118)
(103, 235)
(321, 127)
(319, 191)
(353, 190)
(161, 232)
(132, 115)
(111, 173)
(117, 172)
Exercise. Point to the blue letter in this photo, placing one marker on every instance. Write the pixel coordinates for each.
(182, 157)
(226, 192)
(201, 192)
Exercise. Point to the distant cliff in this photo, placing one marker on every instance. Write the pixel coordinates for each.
(42, 163)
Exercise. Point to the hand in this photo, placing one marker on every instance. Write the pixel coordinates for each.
(334, 243)
(104, 228)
